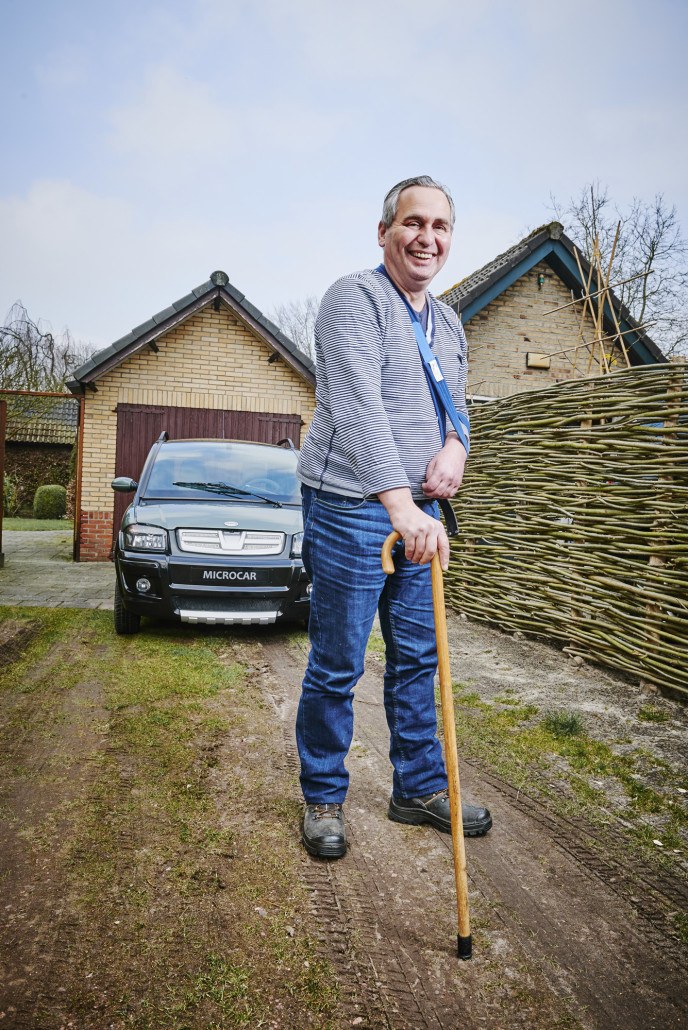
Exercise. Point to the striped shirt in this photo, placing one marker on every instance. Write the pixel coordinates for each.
(375, 426)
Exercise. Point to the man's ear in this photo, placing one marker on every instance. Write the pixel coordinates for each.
(381, 232)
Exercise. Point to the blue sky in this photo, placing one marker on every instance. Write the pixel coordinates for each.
(146, 144)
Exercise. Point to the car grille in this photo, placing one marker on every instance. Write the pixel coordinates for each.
(229, 542)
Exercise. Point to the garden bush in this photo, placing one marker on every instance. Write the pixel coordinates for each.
(50, 502)
(11, 495)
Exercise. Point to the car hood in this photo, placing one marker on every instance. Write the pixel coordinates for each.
(215, 515)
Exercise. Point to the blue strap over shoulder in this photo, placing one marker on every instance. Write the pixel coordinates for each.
(439, 391)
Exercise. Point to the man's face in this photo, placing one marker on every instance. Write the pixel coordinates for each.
(416, 244)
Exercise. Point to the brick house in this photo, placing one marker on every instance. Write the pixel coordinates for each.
(513, 344)
(210, 365)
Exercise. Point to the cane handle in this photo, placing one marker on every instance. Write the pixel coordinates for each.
(387, 563)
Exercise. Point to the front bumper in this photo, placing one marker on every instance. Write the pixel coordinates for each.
(214, 592)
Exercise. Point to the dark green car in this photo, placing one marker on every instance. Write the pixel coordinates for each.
(213, 535)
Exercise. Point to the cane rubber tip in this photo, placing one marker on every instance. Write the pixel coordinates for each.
(464, 946)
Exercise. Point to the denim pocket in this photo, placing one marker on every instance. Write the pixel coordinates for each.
(338, 502)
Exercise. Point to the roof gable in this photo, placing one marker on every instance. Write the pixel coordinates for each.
(548, 243)
(217, 290)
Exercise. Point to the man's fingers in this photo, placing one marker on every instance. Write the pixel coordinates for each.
(421, 547)
(443, 551)
(440, 488)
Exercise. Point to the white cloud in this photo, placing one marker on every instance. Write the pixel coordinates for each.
(178, 126)
(89, 262)
(173, 118)
(100, 265)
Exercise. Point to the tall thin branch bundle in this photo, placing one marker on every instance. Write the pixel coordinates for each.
(574, 520)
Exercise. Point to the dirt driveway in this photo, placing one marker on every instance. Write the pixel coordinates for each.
(570, 928)
(578, 895)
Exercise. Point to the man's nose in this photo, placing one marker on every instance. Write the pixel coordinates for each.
(425, 234)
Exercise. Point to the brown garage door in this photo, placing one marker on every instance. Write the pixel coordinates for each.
(139, 426)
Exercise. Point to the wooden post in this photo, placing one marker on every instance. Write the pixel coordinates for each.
(78, 472)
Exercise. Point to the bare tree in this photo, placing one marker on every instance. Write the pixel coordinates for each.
(32, 357)
(296, 319)
(650, 241)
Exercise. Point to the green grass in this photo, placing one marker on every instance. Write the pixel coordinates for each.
(681, 923)
(36, 525)
(529, 750)
(648, 713)
(376, 644)
(564, 724)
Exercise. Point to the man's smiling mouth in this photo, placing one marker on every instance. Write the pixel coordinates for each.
(422, 254)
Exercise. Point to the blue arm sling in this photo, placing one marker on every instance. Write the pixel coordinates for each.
(441, 399)
(439, 391)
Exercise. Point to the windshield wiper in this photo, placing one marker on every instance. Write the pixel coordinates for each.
(228, 489)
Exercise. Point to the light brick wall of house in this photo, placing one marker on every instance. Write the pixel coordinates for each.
(500, 336)
(209, 361)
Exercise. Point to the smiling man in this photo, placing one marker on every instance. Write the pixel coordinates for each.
(379, 454)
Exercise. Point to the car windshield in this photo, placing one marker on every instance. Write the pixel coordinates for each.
(214, 469)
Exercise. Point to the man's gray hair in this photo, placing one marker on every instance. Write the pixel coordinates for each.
(391, 202)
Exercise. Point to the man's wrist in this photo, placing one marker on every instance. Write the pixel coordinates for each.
(397, 501)
(453, 438)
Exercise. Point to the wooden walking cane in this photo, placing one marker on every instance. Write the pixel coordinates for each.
(464, 943)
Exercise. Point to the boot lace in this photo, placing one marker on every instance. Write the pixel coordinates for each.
(323, 811)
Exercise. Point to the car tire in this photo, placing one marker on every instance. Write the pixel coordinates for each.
(125, 622)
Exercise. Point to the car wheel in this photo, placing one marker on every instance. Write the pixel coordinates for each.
(125, 622)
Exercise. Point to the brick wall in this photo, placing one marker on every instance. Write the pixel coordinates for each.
(209, 361)
(514, 323)
(95, 535)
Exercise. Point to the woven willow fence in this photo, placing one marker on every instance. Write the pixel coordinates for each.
(574, 520)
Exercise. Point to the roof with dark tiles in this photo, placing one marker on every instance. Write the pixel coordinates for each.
(549, 243)
(41, 420)
(217, 287)
(473, 283)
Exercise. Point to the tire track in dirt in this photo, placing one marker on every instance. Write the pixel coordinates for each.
(374, 967)
(654, 894)
(558, 940)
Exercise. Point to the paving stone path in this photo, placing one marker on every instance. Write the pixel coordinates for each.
(39, 571)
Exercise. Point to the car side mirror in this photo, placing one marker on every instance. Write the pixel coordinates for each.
(124, 485)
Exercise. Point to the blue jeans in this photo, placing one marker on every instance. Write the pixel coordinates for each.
(343, 538)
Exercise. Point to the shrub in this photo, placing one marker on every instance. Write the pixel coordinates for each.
(50, 502)
(11, 495)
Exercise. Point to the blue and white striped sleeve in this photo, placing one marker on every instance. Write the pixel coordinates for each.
(349, 341)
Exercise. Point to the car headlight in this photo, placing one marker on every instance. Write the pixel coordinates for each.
(296, 545)
(145, 538)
